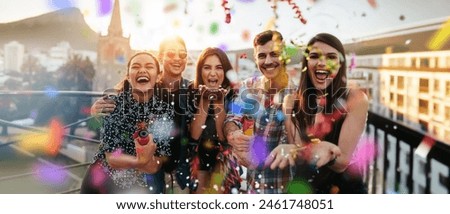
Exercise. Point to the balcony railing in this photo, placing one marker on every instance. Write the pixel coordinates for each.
(408, 161)
(61, 173)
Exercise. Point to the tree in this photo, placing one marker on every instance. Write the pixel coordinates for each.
(75, 75)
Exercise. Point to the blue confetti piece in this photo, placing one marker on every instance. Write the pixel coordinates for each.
(120, 59)
(33, 114)
(60, 4)
(280, 116)
(51, 92)
(235, 108)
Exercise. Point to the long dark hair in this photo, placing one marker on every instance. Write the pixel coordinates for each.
(226, 65)
(305, 106)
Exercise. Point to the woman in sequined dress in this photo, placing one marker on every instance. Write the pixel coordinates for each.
(121, 161)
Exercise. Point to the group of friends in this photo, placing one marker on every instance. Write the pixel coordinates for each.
(162, 133)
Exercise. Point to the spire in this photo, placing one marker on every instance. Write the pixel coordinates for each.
(115, 26)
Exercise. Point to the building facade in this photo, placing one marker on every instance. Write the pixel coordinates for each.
(113, 52)
(407, 82)
(13, 56)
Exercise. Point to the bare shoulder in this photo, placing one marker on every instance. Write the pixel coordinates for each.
(357, 99)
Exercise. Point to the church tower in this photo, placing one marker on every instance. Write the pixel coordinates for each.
(113, 52)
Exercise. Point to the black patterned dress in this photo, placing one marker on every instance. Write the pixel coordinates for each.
(116, 138)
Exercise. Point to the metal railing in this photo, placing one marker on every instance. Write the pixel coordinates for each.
(408, 161)
(11, 141)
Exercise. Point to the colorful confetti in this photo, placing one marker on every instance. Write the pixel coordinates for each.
(373, 3)
(245, 35)
(104, 7)
(226, 8)
(440, 37)
(170, 7)
(47, 142)
(51, 92)
(299, 187)
(297, 11)
(223, 47)
(60, 4)
(50, 174)
(363, 156)
(352, 62)
(214, 28)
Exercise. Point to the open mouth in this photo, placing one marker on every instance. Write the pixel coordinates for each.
(176, 65)
(322, 74)
(213, 82)
(142, 79)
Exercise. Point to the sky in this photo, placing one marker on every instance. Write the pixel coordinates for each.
(202, 22)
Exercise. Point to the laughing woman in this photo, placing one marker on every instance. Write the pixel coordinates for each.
(327, 112)
(122, 159)
(212, 166)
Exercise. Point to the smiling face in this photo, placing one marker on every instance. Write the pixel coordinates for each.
(174, 59)
(142, 72)
(212, 72)
(267, 57)
(323, 64)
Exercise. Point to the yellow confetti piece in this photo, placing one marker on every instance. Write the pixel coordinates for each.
(47, 142)
(441, 36)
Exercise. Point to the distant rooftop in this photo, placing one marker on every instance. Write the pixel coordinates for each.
(412, 38)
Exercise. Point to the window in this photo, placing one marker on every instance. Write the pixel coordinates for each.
(436, 86)
(400, 117)
(413, 62)
(401, 62)
(423, 125)
(391, 97)
(423, 85)
(425, 62)
(392, 63)
(392, 80)
(436, 109)
(447, 90)
(400, 100)
(447, 113)
(423, 106)
(436, 131)
(401, 82)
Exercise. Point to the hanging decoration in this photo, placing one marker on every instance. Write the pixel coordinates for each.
(185, 7)
(274, 7)
(297, 11)
(227, 11)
